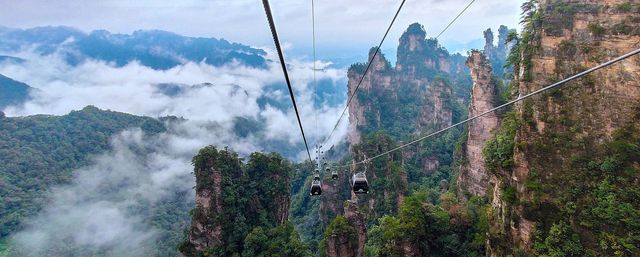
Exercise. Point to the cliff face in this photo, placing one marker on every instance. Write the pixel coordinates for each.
(334, 193)
(412, 95)
(379, 81)
(346, 235)
(233, 198)
(386, 172)
(571, 143)
(473, 176)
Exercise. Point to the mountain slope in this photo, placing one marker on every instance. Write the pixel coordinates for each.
(12, 92)
(37, 152)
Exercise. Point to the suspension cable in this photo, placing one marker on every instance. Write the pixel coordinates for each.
(520, 98)
(274, 33)
(315, 83)
(454, 19)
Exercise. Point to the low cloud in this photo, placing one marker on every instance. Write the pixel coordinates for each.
(107, 208)
(233, 92)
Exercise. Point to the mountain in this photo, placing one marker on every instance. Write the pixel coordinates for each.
(41, 151)
(564, 165)
(485, 95)
(497, 54)
(241, 209)
(153, 48)
(424, 91)
(13, 92)
(425, 81)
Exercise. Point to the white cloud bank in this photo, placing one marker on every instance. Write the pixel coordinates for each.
(100, 210)
(234, 92)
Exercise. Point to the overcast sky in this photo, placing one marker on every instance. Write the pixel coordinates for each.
(344, 27)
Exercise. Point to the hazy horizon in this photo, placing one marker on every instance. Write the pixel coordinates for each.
(349, 33)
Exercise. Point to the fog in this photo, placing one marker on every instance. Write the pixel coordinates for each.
(132, 89)
(108, 207)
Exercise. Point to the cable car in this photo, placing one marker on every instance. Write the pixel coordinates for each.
(316, 185)
(360, 184)
(334, 174)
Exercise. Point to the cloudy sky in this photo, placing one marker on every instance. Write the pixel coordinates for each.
(345, 28)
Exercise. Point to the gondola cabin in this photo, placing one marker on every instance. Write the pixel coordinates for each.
(360, 184)
(316, 186)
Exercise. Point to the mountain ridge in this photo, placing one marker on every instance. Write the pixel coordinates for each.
(157, 49)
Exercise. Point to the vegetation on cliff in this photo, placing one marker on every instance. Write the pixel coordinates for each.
(238, 205)
(424, 229)
(567, 172)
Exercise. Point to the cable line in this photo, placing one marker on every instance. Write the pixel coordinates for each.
(315, 83)
(274, 33)
(454, 19)
(557, 84)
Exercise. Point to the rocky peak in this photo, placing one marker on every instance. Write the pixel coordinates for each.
(503, 32)
(233, 198)
(497, 54)
(473, 176)
(378, 80)
(419, 56)
(412, 40)
(413, 81)
(488, 40)
(380, 62)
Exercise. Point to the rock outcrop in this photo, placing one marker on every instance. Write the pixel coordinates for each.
(346, 235)
(334, 194)
(497, 54)
(379, 79)
(387, 197)
(233, 198)
(473, 175)
(419, 78)
(560, 173)
(420, 94)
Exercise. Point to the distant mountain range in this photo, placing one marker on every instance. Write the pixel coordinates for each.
(157, 49)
